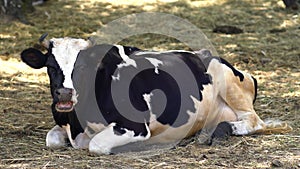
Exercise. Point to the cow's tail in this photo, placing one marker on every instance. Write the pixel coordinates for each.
(275, 127)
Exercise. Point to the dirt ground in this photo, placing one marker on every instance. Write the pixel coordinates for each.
(268, 48)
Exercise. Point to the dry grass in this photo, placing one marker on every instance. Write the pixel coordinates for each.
(273, 58)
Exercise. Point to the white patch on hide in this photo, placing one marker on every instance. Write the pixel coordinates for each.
(147, 98)
(96, 127)
(104, 141)
(128, 61)
(117, 77)
(245, 127)
(155, 63)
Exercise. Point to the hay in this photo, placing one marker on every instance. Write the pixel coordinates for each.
(273, 58)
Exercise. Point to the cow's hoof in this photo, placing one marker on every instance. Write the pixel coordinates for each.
(56, 137)
(54, 140)
(222, 132)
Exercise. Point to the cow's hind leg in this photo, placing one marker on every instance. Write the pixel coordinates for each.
(115, 136)
(56, 137)
(239, 96)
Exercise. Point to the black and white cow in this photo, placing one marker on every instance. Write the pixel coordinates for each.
(223, 101)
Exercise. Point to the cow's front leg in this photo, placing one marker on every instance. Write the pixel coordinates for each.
(111, 137)
(56, 137)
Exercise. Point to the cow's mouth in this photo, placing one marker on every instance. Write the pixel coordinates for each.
(64, 106)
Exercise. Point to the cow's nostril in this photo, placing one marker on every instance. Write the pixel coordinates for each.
(64, 94)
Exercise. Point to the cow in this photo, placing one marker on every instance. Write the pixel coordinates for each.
(222, 103)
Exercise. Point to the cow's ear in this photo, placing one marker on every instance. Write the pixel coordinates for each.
(34, 58)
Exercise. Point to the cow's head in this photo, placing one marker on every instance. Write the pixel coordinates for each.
(59, 60)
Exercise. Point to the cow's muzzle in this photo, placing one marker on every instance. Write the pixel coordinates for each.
(65, 103)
